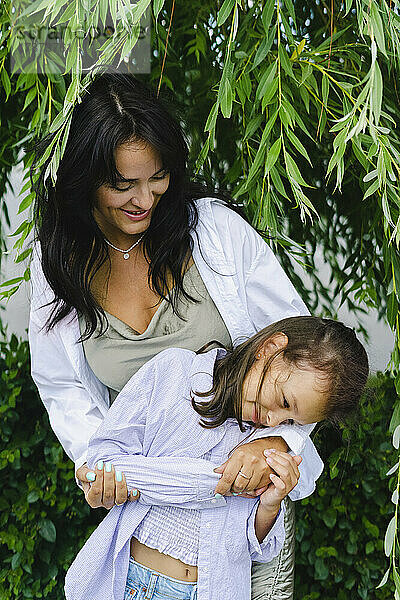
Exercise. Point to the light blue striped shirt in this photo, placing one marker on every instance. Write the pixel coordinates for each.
(152, 434)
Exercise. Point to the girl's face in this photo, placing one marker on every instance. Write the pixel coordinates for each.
(287, 394)
(126, 211)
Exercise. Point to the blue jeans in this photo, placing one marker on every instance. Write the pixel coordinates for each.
(144, 584)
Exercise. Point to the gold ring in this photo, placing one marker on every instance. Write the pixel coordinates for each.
(116, 504)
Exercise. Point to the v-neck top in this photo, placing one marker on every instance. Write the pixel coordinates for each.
(120, 351)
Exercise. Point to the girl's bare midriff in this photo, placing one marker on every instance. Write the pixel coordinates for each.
(167, 565)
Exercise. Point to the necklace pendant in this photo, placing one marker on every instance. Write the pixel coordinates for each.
(126, 256)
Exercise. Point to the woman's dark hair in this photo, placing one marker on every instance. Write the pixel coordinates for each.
(324, 345)
(117, 108)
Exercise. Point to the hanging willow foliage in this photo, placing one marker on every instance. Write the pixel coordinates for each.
(293, 106)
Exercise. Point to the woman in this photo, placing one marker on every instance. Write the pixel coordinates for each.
(133, 258)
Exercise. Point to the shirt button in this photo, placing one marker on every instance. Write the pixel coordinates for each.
(208, 525)
(213, 501)
(205, 569)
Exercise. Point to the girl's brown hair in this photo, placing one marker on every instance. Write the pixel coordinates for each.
(324, 345)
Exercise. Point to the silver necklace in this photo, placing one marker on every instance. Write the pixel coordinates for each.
(125, 252)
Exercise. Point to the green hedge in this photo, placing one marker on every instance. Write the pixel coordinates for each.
(340, 528)
(44, 518)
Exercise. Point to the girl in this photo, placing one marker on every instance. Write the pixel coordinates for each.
(184, 539)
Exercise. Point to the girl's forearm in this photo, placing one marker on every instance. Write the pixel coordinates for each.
(265, 518)
(163, 480)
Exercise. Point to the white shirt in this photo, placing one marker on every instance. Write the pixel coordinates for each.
(250, 290)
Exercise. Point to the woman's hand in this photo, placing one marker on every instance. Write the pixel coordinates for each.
(249, 460)
(103, 486)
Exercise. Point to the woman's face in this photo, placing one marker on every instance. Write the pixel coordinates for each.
(287, 394)
(126, 211)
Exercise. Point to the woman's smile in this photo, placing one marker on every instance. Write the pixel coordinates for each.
(136, 215)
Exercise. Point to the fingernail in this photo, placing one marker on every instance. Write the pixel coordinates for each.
(108, 467)
(269, 451)
(134, 492)
(217, 495)
(100, 465)
(91, 476)
(118, 475)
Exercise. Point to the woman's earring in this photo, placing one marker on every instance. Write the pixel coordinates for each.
(258, 355)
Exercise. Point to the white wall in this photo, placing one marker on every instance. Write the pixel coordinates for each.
(15, 315)
(16, 311)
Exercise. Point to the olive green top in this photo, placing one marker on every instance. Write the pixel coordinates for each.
(119, 352)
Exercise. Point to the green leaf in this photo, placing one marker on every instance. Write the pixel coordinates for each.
(266, 79)
(321, 570)
(57, 122)
(389, 536)
(23, 255)
(370, 527)
(262, 52)
(258, 161)
(266, 15)
(29, 97)
(26, 202)
(270, 93)
(16, 560)
(252, 126)
(370, 176)
(298, 50)
(329, 517)
(203, 154)
(278, 183)
(325, 89)
(11, 281)
(226, 98)
(393, 469)
(268, 127)
(372, 189)
(285, 61)
(293, 171)
(384, 579)
(272, 155)
(157, 6)
(376, 93)
(32, 497)
(47, 530)
(391, 313)
(244, 83)
(6, 82)
(225, 11)
(298, 145)
(212, 118)
(377, 27)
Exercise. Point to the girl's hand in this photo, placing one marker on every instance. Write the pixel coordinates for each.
(248, 459)
(283, 480)
(105, 491)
